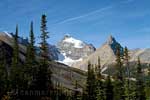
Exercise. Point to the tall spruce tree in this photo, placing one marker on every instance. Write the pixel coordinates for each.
(15, 59)
(127, 81)
(43, 77)
(76, 95)
(140, 93)
(119, 93)
(14, 74)
(109, 89)
(3, 74)
(91, 83)
(100, 93)
(44, 36)
(31, 48)
(17, 82)
(147, 88)
(98, 72)
(30, 66)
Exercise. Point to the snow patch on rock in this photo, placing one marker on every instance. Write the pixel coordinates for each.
(5, 33)
(66, 60)
(77, 43)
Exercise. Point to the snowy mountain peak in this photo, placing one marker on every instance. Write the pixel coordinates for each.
(73, 50)
(77, 43)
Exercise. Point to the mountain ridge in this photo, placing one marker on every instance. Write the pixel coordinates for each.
(76, 53)
(107, 55)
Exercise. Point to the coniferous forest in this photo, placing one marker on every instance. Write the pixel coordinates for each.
(31, 77)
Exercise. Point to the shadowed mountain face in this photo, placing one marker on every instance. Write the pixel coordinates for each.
(111, 41)
(5, 52)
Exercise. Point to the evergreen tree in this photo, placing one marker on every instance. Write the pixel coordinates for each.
(31, 64)
(43, 75)
(100, 93)
(14, 74)
(17, 82)
(119, 73)
(98, 71)
(44, 53)
(127, 81)
(31, 49)
(148, 69)
(119, 93)
(3, 75)
(147, 88)
(140, 93)
(44, 36)
(15, 59)
(90, 88)
(76, 95)
(109, 89)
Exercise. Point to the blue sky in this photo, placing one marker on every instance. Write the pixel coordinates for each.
(89, 20)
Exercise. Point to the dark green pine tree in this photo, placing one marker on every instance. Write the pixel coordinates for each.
(98, 72)
(44, 36)
(43, 76)
(109, 89)
(15, 59)
(31, 48)
(127, 81)
(148, 69)
(44, 52)
(16, 76)
(119, 91)
(91, 83)
(147, 88)
(140, 92)
(31, 64)
(148, 79)
(14, 73)
(100, 92)
(76, 95)
(3, 75)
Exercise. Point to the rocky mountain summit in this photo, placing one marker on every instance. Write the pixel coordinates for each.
(73, 50)
(106, 53)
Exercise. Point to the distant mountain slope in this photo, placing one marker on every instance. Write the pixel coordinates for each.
(144, 55)
(107, 55)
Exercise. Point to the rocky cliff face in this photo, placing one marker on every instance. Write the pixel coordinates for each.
(74, 50)
(107, 55)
